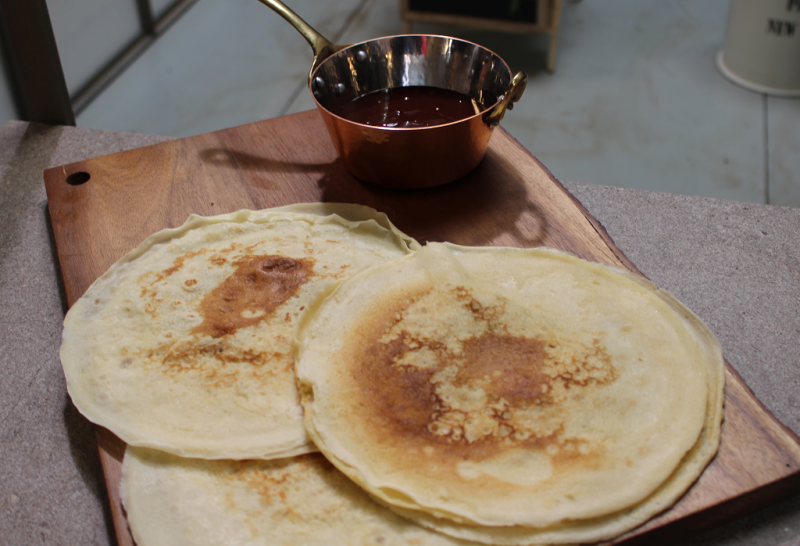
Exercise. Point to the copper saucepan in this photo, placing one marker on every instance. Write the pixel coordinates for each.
(416, 157)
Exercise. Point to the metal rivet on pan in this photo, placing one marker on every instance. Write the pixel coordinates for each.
(319, 82)
(339, 88)
(361, 55)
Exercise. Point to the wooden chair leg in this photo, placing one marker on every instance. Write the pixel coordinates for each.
(555, 26)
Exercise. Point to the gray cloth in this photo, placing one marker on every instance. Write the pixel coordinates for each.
(737, 265)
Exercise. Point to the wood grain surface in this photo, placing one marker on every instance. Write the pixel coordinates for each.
(510, 199)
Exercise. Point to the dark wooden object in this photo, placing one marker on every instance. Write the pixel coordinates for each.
(547, 19)
(101, 208)
(35, 67)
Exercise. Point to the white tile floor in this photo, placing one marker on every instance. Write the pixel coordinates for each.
(635, 101)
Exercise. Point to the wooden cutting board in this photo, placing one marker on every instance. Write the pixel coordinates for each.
(101, 208)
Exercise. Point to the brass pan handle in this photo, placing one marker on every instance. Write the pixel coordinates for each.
(322, 47)
(512, 95)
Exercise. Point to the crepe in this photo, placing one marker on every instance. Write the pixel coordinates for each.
(185, 344)
(528, 391)
(303, 500)
(612, 525)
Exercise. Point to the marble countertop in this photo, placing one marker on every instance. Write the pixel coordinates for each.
(737, 265)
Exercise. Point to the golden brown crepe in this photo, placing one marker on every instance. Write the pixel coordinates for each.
(300, 501)
(185, 344)
(528, 391)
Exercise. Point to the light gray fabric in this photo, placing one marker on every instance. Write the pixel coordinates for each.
(737, 265)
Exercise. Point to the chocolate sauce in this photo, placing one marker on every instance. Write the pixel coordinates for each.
(417, 106)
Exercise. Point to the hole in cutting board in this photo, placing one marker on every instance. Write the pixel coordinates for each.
(76, 179)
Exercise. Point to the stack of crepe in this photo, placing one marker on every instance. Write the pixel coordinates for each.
(457, 395)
